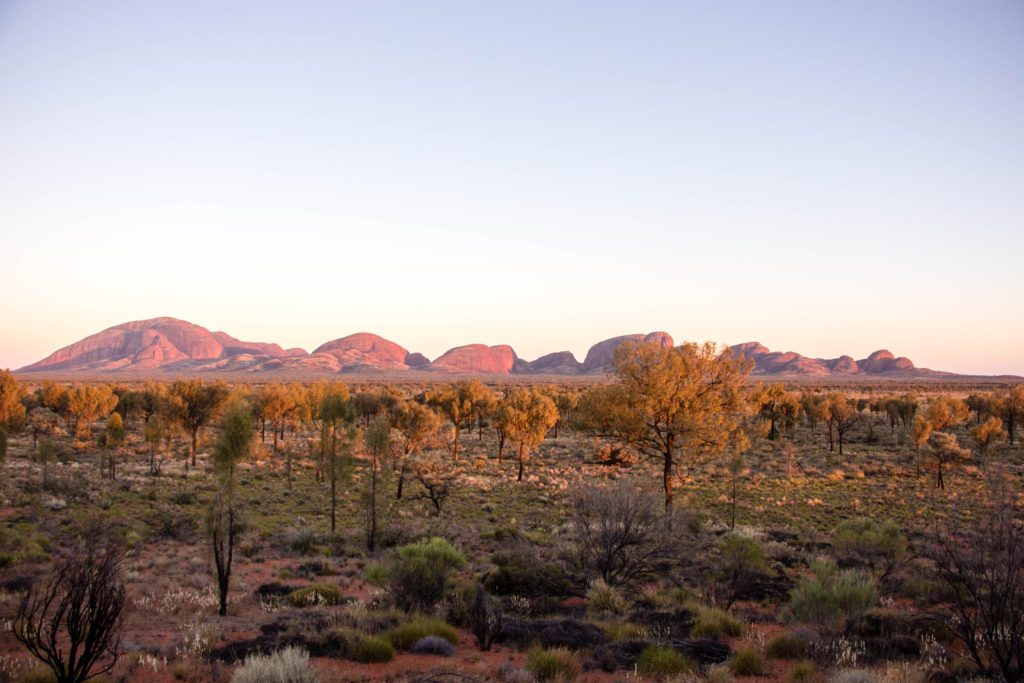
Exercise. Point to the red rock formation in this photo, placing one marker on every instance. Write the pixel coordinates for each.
(750, 349)
(601, 354)
(767, 362)
(366, 346)
(234, 347)
(143, 343)
(167, 344)
(558, 363)
(157, 344)
(844, 365)
(477, 358)
(883, 361)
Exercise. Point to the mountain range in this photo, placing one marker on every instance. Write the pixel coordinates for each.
(170, 346)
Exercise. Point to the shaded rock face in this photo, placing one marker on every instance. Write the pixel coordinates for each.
(883, 361)
(768, 362)
(558, 363)
(235, 347)
(844, 365)
(417, 360)
(601, 354)
(477, 358)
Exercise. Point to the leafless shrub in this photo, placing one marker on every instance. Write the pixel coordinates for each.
(485, 619)
(621, 536)
(71, 620)
(978, 560)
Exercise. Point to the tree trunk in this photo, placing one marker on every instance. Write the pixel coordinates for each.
(522, 448)
(334, 503)
(195, 442)
(456, 443)
(732, 524)
(666, 478)
(371, 537)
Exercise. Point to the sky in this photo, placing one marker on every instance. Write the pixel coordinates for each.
(828, 178)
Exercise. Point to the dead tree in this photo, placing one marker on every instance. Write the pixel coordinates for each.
(224, 524)
(485, 619)
(978, 561)
(71, 620)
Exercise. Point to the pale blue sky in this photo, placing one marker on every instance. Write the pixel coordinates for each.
(824, 177)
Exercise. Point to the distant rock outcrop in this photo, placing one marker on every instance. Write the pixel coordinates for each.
(417, 360)
(558, 363)
(365, 350)
(477, 359)
(140, 344)
(844, 365)
(882, 361)
(767, 362)
(235, 347)
(171, 346)
(601, 354)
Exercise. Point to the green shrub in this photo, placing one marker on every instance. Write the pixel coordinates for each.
(302, 541)
(603, 599)
(831, 597)
(716, 623)
(417, 576)
(787, 645)
(558, 663)
(371, 650)
(720, 673)
(316, 594)
(520, 571)
(662, 661)
(290, 664)
(183, 498)
(624, 630)
(404, 636)
(435, 549)
(865, 542)
(739, 563)
(803, 671)
(749, 662)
